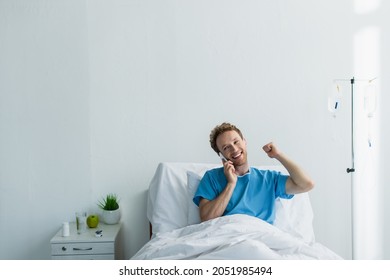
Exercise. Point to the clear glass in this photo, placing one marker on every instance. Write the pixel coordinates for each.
(81, 222)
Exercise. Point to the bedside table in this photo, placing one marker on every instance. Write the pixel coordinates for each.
(86, 246)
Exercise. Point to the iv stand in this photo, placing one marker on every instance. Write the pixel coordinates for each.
(352, 168)
(352, 81)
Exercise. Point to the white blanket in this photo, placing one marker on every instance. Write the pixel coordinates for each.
(232, 237)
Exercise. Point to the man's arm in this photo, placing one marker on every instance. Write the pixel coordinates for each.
(210, 209)
(298, 181)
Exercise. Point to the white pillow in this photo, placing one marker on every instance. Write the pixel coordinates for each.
(193, 181)
(167, 198)
(168, 201)
(295, 216)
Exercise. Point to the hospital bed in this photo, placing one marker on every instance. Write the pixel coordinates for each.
(178, 233)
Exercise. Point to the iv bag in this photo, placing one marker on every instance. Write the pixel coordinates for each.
(370, 100)
(334, 99)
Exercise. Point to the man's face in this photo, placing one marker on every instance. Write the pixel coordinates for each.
(233, 147)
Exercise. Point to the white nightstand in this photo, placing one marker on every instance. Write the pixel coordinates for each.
(86, 246)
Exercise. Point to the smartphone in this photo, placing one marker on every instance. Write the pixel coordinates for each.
(222, 157)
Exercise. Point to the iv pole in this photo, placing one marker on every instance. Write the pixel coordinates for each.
(352, 168)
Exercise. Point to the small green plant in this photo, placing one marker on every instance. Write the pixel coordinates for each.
(110, 202)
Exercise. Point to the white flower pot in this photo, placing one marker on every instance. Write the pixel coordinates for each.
(111, 217)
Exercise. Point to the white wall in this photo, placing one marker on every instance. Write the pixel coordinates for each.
(93, 94)
(44, 122)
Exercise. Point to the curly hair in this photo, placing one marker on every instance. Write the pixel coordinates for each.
(218, 130)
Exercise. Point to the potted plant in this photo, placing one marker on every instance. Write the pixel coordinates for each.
(110, 206)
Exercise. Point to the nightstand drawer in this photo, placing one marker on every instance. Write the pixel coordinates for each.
(82, 248)
(87, 246)
(84, 257)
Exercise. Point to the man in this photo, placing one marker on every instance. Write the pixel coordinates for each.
(237, 188)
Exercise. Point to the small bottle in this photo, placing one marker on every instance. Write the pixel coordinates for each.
(65, 229)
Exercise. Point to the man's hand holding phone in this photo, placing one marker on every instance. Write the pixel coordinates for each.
(229, 170)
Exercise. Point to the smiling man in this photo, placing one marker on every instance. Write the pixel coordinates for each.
(238, 188)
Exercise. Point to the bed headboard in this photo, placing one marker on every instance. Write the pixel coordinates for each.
(172, 188)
